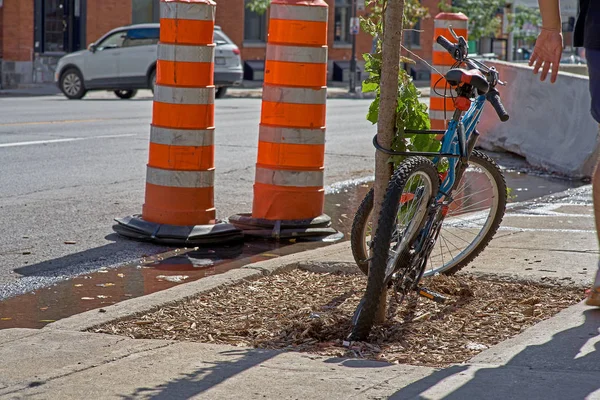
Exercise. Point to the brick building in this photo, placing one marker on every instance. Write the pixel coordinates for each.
(35, 33)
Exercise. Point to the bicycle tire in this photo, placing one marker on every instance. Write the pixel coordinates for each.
(358, 232)
(363, 213)
(496, 173)
(376, 284)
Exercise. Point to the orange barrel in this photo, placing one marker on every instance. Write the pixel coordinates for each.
(180, 170)
(288, 185)
(442, 61)
(291, 147)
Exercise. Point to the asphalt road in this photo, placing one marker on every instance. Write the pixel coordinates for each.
(67, 168)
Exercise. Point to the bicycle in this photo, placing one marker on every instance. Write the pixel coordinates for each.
(421, 203)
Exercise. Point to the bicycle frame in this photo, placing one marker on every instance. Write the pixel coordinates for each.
(457, 143)
(451, 143)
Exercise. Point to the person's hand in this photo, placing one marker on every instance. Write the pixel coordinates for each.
(546, 53)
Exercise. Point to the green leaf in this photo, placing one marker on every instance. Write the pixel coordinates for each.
(258, 6)
(373, 114)
(484, 20)
(368, 87)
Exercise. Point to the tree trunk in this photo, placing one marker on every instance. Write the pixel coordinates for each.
(386, 123)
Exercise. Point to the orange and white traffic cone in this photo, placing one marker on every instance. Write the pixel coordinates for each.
(443, 61)
(288, 187)
(180, 173)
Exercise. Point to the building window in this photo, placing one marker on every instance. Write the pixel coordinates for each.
(255, 25)
(59, 25)
(145, 11)
(343, 12)
(55, 24)
(412, 37)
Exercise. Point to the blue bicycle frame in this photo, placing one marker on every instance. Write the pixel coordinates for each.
(451, 144)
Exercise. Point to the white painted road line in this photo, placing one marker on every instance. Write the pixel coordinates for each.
(34, 142)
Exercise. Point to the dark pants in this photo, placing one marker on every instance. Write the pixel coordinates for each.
(593, 61)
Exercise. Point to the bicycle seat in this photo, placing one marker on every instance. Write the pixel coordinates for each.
(471, 77)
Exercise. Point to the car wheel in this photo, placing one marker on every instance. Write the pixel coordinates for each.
(71, 84)
(152, 81)
(125, 94)
(221, 92)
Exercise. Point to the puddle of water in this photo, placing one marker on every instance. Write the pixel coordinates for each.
(110, 286)
(152, 274)
(527, 182)
(527, 187)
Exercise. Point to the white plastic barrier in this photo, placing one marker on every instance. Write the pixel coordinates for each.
(550, 124)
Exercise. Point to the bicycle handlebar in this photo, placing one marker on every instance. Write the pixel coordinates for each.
(460, 53)
(494, 98)
(446, 44)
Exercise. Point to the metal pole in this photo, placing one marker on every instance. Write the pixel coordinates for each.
(352, 79)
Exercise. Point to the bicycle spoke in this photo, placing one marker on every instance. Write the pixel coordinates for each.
(448, 247)
(449, 241)
(470, 206)
(462, 229)
(455, 235)
(457, 222)
(470, 195)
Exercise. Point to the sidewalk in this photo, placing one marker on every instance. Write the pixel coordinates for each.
(555, 359)
(47, 89)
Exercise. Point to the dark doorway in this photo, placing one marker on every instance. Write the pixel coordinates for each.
(59, 25)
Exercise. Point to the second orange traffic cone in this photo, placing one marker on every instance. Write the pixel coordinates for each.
(288, 186)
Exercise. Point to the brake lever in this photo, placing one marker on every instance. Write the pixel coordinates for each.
(454, 35)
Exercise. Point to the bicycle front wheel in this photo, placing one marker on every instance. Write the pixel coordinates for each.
(473, 219)
(405, 208)
(477, 209)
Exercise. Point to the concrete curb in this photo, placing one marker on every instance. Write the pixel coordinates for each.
(144, 304)
(332, 93)
(335, 94)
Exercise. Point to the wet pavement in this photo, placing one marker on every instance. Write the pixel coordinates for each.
(528, 183)
(151, 274)
(159, 272)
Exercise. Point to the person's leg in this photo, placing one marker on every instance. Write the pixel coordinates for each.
(593, 59)
(594, 294)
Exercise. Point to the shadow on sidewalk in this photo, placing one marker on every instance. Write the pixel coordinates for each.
(566, 367)
(203, 379)
(118, 251)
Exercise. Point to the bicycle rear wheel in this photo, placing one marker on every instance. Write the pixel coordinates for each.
(361, 233)
(410, 191)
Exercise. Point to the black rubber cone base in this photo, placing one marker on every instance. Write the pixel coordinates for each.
(134, 227)
(316, 229)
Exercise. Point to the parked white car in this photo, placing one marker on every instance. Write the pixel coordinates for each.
(124, 60)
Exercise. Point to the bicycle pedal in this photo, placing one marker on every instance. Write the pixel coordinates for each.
(431, 295)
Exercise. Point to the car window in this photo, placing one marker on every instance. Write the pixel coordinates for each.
(113, 41)
(220, 39)
(141, 37)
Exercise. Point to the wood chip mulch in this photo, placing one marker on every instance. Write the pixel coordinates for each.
(311, 312)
